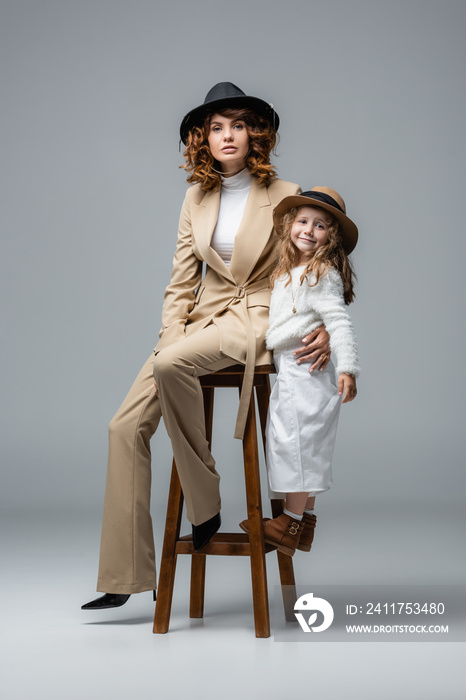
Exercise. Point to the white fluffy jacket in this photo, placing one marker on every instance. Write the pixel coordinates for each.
(322, 303)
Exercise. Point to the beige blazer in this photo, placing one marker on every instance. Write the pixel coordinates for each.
(235, 298)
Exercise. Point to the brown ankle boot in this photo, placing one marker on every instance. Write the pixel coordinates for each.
(307, 535)
(284, 533)
(244, 525)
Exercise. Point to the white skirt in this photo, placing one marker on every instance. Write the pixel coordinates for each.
(301, 427)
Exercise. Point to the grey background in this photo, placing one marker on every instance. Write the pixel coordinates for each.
(371, 100)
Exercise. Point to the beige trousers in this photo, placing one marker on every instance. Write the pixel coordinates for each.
(127, 555)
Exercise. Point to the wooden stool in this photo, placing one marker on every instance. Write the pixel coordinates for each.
(226, 544)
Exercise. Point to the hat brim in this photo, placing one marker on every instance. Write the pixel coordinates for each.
(196, 116)
(348, 228)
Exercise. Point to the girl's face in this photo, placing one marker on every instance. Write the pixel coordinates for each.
(229, 143)
(309, 232)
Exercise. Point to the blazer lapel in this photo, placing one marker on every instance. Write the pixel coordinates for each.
(253, 234)
(203, 220)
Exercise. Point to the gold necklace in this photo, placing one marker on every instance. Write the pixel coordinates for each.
(292, 296)
(292, 291)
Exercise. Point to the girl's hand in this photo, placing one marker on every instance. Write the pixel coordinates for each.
(316, 349)
(347, 385)
(156, 388)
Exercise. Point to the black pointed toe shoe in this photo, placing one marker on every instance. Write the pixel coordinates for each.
(202, 534)
(107, 600)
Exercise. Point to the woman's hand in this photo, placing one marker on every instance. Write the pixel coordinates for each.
(316, 349)
(156, 388)
(347, 386)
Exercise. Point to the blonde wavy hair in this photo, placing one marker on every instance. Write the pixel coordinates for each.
(332, 254)
(202, 165)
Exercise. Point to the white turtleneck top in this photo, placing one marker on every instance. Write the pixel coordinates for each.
(233, 196)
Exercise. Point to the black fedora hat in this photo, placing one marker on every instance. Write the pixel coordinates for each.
(324, 198)
(222, 96)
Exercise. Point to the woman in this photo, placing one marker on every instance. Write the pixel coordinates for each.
(208, 324)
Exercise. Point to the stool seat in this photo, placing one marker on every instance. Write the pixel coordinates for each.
(227, 543)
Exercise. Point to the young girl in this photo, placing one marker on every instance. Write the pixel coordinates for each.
(312, 284)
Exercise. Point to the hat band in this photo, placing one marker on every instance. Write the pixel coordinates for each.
(322, 197)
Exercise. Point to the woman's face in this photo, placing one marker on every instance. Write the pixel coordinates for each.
(229, 143)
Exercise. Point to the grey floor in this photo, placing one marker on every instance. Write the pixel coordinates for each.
(51, 649)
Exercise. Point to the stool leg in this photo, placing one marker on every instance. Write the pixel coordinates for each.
(285, 567)
(285, 563)
(263, 394)
(198, 561)
(196, 605)
(168, 562)
(256, 533)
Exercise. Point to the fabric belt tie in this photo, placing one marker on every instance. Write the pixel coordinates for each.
(241, 295)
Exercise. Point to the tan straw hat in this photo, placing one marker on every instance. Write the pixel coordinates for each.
(325, 198)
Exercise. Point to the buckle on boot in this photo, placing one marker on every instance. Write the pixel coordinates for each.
(293, 528)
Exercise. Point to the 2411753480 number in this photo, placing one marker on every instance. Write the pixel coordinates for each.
(397, 609)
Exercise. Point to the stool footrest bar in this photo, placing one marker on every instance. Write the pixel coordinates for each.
(222, 544)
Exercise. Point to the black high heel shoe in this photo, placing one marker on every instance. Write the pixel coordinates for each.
(107, 600)
(203, 533)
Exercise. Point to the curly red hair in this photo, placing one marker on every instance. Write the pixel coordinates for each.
(202, 165)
